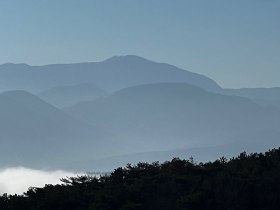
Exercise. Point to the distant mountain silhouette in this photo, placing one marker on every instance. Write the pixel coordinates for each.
(112, 74)
(127, 105)
(172, 115)
(264, 96)
(34, 133)
(62, 96)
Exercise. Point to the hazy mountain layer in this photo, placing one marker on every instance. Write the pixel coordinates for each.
(157, 107)
(263, 96)
(34, 133)
(63, 96)
(171, 116)
(112, 74)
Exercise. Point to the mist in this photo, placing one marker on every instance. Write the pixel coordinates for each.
(17, 180)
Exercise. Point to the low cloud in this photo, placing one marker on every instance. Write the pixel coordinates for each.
(18, 180)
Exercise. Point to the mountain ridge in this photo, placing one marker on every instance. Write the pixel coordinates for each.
(111, 74)
(63, 96)
(173, 115)
(34, 133)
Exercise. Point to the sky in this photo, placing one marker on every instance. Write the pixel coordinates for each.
(235, 42)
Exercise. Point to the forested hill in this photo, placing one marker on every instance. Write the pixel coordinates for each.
(244, 182)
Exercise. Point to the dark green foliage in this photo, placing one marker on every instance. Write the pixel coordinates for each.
(245, 182)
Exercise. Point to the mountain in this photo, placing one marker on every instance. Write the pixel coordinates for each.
(34, 133)
(127, 105)
(112, 74)
(263, 96)
(63, 96)
(175, 115)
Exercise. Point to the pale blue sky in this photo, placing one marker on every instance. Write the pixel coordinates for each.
(235, 42)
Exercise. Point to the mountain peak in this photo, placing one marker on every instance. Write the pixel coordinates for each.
(125, 58)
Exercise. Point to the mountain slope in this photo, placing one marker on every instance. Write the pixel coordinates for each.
(171, 116)
(112, 74)
(34, 133)
(263, 96)
(63, 96)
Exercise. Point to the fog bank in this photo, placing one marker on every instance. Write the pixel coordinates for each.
(18, 179)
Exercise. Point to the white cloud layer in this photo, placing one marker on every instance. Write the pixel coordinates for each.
(19, 179)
